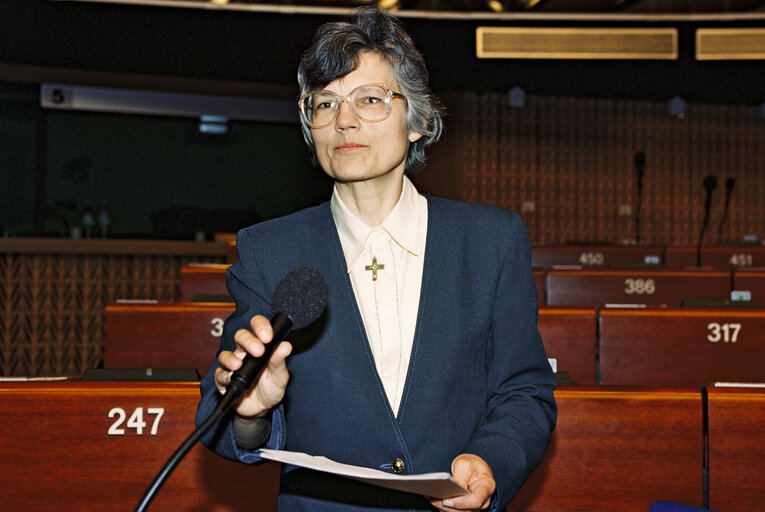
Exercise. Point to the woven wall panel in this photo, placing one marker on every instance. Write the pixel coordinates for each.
(52, 306)
(573, 158)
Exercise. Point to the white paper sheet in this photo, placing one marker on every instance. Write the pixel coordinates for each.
(436, 485)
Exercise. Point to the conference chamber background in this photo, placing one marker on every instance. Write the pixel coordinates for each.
(136, 137)
(105, 116)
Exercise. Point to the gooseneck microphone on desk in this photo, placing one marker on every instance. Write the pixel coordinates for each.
(298, 300)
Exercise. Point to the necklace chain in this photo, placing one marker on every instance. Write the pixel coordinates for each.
(398, 319)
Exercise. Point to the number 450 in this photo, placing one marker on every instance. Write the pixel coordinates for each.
(135, 421)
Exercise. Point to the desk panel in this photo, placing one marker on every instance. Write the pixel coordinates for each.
(717, 257)
(163, 335)
(595, 256)
(619, 449)
(736, 447)
(203, 280)
(57, 452)
(681, 346)
(670, 287)
(570, 335)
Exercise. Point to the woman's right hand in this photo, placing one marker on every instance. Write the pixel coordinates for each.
(268, 390)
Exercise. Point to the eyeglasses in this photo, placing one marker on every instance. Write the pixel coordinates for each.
(371, 103)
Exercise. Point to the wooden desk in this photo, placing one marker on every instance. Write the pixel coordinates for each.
(606, 286)
(736, 447)
(681, 346)
(595, 256)
(163, 335)
(203, 279)
(619, 449)
(722, 257)
(69, 446)
(570, 335)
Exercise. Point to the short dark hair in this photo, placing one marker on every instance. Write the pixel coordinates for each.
(336, 51)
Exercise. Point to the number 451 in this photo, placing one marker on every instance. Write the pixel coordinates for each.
(135, 421)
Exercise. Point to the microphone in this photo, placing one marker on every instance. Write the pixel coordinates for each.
(298, 300)
(710, 183)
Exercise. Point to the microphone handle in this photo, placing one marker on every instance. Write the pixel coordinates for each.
(244, 377)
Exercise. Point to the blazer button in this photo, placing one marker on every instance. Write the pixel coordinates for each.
(397, 465)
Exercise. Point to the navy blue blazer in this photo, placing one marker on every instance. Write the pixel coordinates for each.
(478, 381)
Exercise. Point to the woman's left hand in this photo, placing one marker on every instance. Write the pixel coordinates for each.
(474, 474)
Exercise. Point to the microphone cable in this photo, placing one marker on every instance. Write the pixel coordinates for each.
(226, 401)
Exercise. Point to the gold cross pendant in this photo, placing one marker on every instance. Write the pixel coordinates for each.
(374, 267)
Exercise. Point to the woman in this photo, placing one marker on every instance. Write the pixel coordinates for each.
(428, 358)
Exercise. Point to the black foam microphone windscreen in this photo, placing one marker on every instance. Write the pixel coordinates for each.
(298, 300)
(302, 295)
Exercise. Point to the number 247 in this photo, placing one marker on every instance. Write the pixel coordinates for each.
(135, 421)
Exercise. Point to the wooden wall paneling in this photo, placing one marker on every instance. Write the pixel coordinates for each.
(489, 150)
(472, 144)
(443, 174)
(53, 305)
(508, 190)
(624, 185)
(755, 183)
(548, 210)
(607, 163)
(680, 168)
(721, 161)
(673, 162)
(651, 134)
(588, 175)
(735, 227)
(577, 145)
(527, 148)
(567, 175)
(660, 210)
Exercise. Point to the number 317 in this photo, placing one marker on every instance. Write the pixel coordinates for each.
(728, 333)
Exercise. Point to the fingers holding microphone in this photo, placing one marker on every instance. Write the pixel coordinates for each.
(271, 384)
